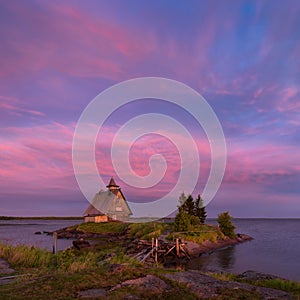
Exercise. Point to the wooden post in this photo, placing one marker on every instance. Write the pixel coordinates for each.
(156, 249)
(177, 247)
(54, 242)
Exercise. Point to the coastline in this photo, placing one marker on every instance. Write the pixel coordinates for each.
(108, 254)
(207, 246)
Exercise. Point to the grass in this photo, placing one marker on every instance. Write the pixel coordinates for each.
(146, 231)
(199, 234)
(289, 286)
(69, 260)
(223, 276)
(110, 227)
(28, 257)
(63, 275)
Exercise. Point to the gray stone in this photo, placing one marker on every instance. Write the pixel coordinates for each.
(150, 283)
(207, 287)
(92, 293)
(253, 275)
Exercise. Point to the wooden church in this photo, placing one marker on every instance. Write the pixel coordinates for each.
(108, 205)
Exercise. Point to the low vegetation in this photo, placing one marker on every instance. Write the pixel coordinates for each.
(289, 286)
(199, 234)
(102, 228)
(146, 231)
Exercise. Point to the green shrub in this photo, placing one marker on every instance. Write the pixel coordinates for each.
(225, 224)
(182, 221)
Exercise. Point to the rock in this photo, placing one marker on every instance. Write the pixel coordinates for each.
(193, 249)
(149, 284)
(131, 297)
(37, 232)
(92, 293)
(253, 275)
(80, 244)
(207, 287)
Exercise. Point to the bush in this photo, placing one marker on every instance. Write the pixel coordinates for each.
(194, 220)
(225, 224)
(184, 221)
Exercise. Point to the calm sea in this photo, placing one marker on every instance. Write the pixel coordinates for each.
(275, 248)
(18, 232)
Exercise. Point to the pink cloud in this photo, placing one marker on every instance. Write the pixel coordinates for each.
(259, 164)
(72, 42)
(36, 158)
(289, 100)
(14, 106)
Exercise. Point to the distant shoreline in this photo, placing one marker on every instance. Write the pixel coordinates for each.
(40, 218)
(134, 220)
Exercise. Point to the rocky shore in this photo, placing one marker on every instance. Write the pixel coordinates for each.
(203, 286)
(195, 249)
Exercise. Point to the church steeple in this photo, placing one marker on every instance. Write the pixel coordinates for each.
(112, 184)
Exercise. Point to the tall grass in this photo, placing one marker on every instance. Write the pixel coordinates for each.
(26, 256)
(68, 260)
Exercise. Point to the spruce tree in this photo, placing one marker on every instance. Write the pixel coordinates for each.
(200, 210)
(189, 205)
(182, 199)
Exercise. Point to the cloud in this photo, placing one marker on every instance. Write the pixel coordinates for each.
(67, 40)
(13, 106)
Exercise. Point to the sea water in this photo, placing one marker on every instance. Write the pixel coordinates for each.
(275, 249)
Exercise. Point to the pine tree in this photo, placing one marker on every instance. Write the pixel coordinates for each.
(200, 210)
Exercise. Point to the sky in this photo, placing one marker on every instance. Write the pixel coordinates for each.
(243, 57)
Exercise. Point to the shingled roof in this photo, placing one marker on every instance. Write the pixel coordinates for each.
(100, 204)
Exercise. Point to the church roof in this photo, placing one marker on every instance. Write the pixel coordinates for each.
(100, 203)
(103, 204)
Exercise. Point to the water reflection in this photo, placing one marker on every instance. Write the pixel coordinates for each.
(217, 261)
(226, 258)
